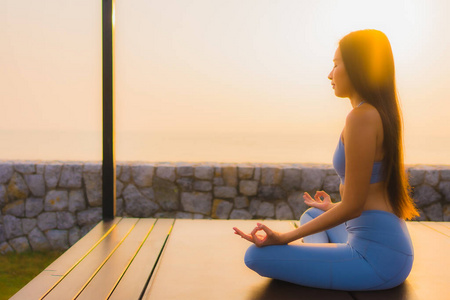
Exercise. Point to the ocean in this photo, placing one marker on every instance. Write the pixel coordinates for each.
(237, 147)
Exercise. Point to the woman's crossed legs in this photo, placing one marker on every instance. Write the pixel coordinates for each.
(324, 261)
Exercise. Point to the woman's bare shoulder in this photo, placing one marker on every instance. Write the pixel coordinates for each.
(365, 115)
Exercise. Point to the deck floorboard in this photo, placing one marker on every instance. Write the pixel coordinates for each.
(74, 282)
(104, 282)
(130, 258)
(62, 265)
(134, 281)
(203, 259)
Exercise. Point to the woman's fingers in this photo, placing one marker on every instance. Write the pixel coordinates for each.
(252, 237)
(323, 194)
(243, 235)
(237, 231)
(255, 230)
(318, 196)
(266, 229)
(258, 239)
(307, 196)
(308, 199)
(255, 238)
(311, 203)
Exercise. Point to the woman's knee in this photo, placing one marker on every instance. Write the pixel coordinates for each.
(251, 256)
(259, 259)
(310, 214)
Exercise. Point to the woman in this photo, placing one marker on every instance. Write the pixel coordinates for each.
(361, 242)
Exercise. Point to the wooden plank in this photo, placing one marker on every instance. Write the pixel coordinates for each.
(429, 276)
(75, 281)
(439, 227)
(42, 283)
(405, 291)
(203, 259)
(135, 279)
(104, 282)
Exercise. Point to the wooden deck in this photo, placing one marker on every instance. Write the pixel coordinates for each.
(130, 258)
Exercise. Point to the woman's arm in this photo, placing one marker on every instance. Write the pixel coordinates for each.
(360, 137)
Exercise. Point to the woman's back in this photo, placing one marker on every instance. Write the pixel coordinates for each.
(377, 196)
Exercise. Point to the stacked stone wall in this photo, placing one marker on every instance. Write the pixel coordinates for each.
(51, 205)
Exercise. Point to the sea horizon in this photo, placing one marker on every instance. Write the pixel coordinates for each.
(182, 147)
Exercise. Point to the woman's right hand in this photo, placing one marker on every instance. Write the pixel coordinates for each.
(321, 200)
(269, 237)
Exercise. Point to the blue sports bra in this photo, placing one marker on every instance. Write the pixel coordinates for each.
(339, 165)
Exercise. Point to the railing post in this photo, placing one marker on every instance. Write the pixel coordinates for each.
(109, 164)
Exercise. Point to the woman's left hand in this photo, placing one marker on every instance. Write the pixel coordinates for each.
(269, 237)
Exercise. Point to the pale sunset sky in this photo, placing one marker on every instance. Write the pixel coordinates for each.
(211, 80)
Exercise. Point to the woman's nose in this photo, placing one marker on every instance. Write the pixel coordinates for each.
(330, 76)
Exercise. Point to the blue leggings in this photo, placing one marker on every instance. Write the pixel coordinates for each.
(371, 252)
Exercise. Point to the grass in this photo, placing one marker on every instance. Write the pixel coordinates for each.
(16, 270)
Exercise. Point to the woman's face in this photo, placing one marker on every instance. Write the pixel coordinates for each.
(339, 78)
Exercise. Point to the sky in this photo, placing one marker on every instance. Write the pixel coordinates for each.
(202, 80)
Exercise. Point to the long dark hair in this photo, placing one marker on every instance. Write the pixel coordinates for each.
(369, 62)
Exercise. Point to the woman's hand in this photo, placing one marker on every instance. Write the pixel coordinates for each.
(321, 200)
(267, 238)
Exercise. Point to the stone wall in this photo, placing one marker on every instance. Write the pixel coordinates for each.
(50, 205)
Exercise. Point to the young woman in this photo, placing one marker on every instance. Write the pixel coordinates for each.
(361, 242)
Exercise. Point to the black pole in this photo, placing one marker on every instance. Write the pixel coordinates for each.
(109, 165)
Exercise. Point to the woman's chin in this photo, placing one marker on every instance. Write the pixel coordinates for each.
(337, 94)
(340, 95)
